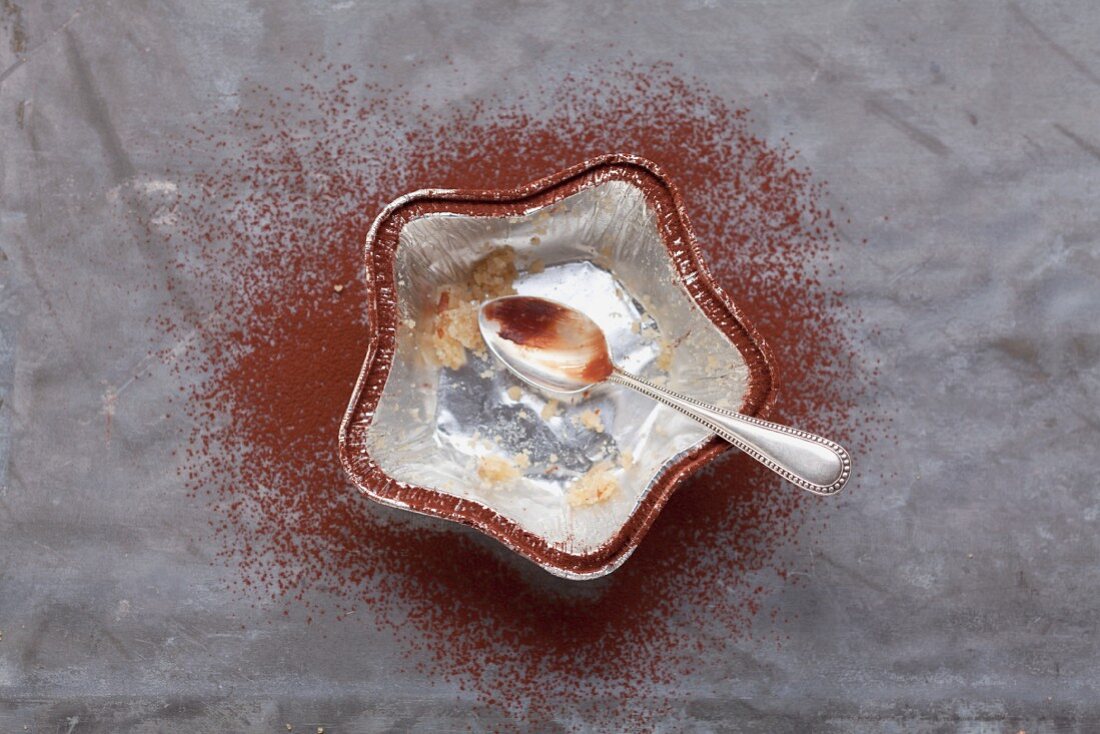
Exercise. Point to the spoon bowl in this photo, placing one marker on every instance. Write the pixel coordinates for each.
(545, 343)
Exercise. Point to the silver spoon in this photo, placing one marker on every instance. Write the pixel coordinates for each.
(557, 348)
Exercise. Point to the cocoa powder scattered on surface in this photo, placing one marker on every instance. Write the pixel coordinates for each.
(274, 214)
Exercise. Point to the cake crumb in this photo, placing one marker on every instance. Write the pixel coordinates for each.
(636, 327)
(535, 240)
(626, 459)
(500, 470)
(664, 357)
(590, 419)
(409, 323)
(553, 458)
(712, 362)
(515, 393)
(536, 266)
(338, 287)
(455, 329)
(597, 485)
(492, 276)
(486, 374)
(549, 410)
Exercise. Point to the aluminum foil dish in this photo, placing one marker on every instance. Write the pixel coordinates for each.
(573, 483)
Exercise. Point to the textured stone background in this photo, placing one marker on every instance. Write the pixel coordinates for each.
(962, 595)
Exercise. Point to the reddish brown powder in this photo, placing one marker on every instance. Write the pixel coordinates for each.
(267, 228)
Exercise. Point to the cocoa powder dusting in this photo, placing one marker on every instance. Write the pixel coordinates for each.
(268, 226)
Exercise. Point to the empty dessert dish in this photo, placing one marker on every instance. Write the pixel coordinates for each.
(438, 426)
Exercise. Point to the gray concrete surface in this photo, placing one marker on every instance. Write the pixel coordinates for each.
(961, 595)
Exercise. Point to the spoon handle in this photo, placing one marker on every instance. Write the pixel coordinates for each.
(811, 462)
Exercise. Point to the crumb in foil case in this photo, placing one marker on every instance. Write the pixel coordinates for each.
(460, 438)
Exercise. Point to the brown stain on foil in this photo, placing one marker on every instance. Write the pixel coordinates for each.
(279, 212)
